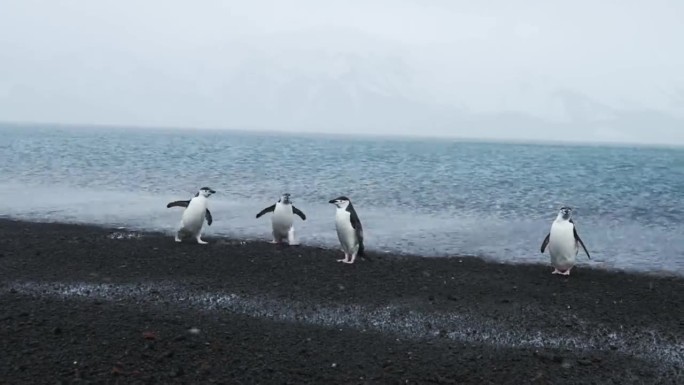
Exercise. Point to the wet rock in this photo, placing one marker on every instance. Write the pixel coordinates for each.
(118, 369)
(584, 362)
(177, 372)
(149, 335)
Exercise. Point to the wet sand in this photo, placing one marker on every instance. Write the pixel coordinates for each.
(84, 304)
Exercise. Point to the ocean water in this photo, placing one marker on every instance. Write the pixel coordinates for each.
(429, 197)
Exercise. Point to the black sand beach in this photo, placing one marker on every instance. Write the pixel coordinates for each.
(78, 305)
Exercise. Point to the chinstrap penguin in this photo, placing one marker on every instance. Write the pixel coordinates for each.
(282, 219)
(195, 213)
(563, 242)
(349, 229)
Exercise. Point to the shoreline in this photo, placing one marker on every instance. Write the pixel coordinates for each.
(222, 239)
(293, 315)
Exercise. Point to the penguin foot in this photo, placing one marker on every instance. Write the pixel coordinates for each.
(556, 271)
(201, 242)
(344, 260)
(177, 239)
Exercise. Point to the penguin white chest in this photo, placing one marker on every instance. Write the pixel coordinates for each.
(562, 245)
(282, 218)
(345, 231)
(194, 214)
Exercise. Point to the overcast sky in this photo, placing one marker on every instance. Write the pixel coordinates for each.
(604, 70)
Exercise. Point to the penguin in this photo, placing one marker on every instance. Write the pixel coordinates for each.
(283, 217)
(195, 213)
(349, 229)
(563, 242)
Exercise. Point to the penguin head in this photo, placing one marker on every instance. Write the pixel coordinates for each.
(565, 212)
(206, 192)
(285, 199)
(341, 202)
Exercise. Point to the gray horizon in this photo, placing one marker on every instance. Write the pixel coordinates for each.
(580, 72)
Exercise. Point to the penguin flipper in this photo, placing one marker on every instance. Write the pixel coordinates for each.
(209, 218)
(545, 243)
(356, 224)
(362, 250)
(299, 212)
(178, 204)
(579, 240)
(268, 209)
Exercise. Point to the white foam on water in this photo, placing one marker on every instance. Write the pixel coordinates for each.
(395, 319)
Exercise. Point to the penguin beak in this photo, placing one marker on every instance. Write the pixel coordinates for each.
(332, 201)
(212, 191)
